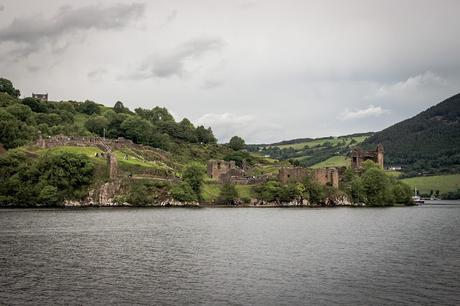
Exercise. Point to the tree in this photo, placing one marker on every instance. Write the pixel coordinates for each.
(35, 105)
(137, 129)
(205, 135)
(376, 185)
(13, 132)
(228, 194)
(119, 107)
(6, 86)
(237, 143)
(89, 108)
(183, 192)
(21, 112)
(194, 176)
(97, 124)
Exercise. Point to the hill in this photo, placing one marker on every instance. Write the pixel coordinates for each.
(319, 152)
(428, 143)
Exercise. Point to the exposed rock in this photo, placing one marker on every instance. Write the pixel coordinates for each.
(172, 202)
(104, 196)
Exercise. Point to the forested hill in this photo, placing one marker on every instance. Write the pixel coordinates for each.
(425, 144)
(22, 120)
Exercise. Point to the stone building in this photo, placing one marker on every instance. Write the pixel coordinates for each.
(324, 176)
(43, 97)
(217, 168)
(358, 156)
(227, 172)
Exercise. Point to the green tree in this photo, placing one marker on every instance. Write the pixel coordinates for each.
(183, 192)
(21, 112)
(7, 87)
(49, 196)
(237, 143)
(228, 194)
(376, 185)
(194, 176)
(120, 108)
(137, 129)
(97, 124)
(35, 105)
(205, 135)
(13, 132)
(89, 108)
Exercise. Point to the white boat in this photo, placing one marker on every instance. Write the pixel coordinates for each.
(416, 198)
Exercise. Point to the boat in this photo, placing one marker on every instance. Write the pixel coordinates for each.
(416, 198)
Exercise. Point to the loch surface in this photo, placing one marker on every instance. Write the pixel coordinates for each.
(237, 256)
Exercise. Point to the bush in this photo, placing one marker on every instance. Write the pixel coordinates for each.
(183, 192)
(228, 194)
(194, 177)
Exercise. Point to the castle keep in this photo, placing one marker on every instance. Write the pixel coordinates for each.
(358, 156)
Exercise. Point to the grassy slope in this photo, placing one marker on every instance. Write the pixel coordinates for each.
(211, 191)
(335, 161)
(443, 183)
(318, 142)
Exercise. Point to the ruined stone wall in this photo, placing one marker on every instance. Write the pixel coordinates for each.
(292, 175)
(85, 141)
(358, 156)
(324, 176)
(216, 168)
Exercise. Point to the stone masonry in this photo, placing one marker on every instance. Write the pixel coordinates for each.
(324, 176)
(358, 156)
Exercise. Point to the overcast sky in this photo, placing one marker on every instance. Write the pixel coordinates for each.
(264, 70)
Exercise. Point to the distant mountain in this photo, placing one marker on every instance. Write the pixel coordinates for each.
(425, 144)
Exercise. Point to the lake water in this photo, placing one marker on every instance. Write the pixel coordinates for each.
(358, 256)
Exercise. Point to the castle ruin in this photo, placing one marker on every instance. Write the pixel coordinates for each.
(323, 176)
(358, 156)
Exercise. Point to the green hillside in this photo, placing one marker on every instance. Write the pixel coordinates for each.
(443, 183)
(316, 153)
(427, 143)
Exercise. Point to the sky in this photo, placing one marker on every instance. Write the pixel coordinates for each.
(264, 70)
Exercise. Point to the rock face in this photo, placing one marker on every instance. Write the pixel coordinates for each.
(104, 195)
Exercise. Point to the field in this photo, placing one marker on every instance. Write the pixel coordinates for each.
(443, 183)
(335, 161)
(318, 142)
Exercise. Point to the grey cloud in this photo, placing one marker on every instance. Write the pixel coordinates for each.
(97, 74)
(27, 31)
(2, 7)
(173, 62)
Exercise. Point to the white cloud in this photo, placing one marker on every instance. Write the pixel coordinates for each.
(413, 83)
(370, 111)
(249, 127)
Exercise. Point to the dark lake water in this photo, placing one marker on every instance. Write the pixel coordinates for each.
(350, 256)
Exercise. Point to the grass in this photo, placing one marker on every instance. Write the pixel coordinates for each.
(334, 161)
(211, 191)
(319, 142)
(88, 151)
(244, 191)
(443, 183)
(393, 173)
